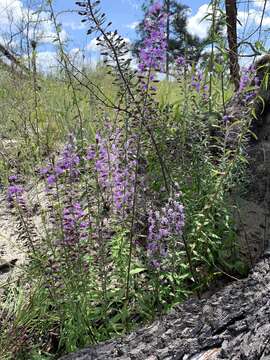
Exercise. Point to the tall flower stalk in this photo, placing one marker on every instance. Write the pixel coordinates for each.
(152, 54)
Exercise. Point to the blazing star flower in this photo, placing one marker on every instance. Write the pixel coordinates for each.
(66, 167)
(51, 179)
(91, 153)
(155, 8)
(196, 81)
(162, 225)
(244, 82)
(15, 196)
(13, 178)
(197, 84)
(153, 52)
(181, 61)
(45, 171)
(74, 227)
(226, 118)
(248, 75)
(115, 166)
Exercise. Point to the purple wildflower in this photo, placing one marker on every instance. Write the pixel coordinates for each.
(13, 178)
(226, 118)
(153, 52)
(15, 195)
(66, 167)
(91, 153)
(196, 81)
(162, 225)
(244, 82)
(115, 166)
(74, 226)
(248, 75)
(51, 179)
(155, 8)
(181, 61)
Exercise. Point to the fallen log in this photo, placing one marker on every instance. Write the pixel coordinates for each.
(232, 324)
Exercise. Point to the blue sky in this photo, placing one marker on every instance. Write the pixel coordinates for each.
(126, 13)
(123, 13)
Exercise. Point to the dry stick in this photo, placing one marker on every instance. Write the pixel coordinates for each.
(261, 22)
(225, 273)
(211, 62)
(13, 58)
(35, 85)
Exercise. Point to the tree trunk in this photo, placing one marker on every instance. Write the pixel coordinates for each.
(231, 14)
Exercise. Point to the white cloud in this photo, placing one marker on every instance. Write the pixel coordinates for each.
(92, 46)
(74, 25)
(197, 25)
(132, 3)
(45, 33)
(253, 17)
(47, 61)
(10, 11)
(79, 59)
(15, 16)
(133, 25)
(260, 4)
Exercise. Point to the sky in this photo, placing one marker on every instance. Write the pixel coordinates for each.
(124, 14)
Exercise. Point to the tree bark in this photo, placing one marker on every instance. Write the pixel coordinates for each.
(231, 14)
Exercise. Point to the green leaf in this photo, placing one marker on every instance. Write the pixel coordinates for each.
(137, 271)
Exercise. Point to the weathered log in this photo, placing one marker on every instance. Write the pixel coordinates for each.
(232, 324)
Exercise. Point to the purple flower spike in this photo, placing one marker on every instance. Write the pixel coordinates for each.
(163, 224)
(153, 52)
(75, 228)
(51, 180)
(13, 178)
(15, 195)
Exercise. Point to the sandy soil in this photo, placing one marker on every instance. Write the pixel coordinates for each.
(11, 250)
